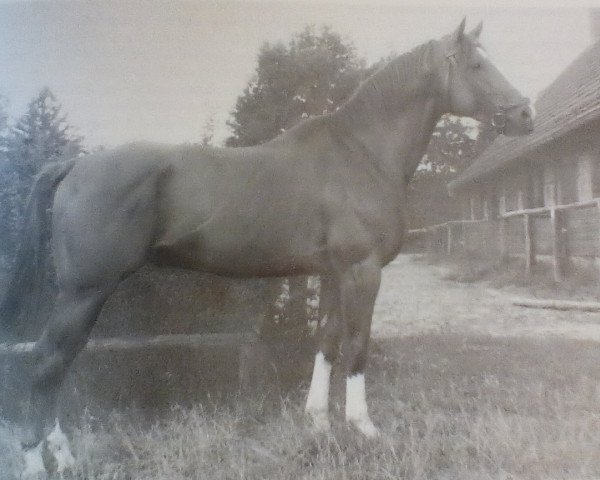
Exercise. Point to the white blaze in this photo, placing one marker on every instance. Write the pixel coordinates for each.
(318, 395)
(356, 405)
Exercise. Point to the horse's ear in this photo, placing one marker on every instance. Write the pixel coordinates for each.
(476, 32)
(459, 33)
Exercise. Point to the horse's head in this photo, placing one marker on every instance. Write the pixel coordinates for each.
(475, 88)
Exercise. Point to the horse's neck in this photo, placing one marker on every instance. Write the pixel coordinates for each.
(396, 142)
(394, 113)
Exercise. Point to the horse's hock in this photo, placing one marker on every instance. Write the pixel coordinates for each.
(166, 337)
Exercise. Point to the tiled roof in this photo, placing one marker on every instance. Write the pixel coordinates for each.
(571, 101)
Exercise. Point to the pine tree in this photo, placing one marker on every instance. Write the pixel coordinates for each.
(40, 136)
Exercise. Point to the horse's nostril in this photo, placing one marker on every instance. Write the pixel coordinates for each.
(525, 114)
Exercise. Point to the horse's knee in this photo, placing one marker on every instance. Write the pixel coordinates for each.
(49, 369)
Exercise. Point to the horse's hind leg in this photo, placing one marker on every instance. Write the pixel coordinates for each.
(73, 317)
(317, 402)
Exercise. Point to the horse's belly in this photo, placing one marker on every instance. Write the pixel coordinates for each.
(244, 251)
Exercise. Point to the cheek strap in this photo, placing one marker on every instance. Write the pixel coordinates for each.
(451, 57)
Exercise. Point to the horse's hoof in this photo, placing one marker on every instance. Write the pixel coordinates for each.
(365, 426)
(34, 464)
(319, 421)
(58, 445)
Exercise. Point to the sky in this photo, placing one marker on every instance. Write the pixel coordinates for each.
(158, 70)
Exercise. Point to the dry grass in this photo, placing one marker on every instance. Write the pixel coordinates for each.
(449, 407)
(580, 283)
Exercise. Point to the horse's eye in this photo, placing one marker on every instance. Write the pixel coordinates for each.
(477, 66)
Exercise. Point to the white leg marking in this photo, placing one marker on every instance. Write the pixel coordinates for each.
(356, 406)
(317, 402)
(34, 464)
(58, 444)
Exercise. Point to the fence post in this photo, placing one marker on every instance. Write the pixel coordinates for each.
(503, 239)
(557, 244)
(450, 245)
(529, 244)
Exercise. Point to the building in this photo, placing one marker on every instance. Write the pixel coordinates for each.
(558, 164)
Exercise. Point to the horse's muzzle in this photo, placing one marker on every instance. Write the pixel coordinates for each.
(514, 120)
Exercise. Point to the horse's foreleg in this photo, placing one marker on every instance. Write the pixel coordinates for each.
(359, 285)
(67, 333)
(329, 338)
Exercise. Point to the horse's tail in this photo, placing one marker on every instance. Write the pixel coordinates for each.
(29, 275)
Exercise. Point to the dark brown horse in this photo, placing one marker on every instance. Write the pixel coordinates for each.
(326, 197)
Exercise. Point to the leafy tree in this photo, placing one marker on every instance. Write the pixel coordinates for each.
(455, 143)
(311, 75)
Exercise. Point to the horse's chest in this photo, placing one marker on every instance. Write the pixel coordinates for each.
(373, 226)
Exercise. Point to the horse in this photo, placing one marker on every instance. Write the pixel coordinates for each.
(327, 197)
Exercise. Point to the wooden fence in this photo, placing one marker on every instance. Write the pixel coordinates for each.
(147, 373)
(561, 231)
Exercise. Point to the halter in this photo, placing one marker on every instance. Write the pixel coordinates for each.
(499, 118)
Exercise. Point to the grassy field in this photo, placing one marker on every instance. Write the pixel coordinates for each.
(463, 384)
(450, 407)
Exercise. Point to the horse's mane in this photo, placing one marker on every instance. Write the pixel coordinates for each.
(397, 81)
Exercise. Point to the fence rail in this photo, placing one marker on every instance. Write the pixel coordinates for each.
(562, 231)
(135, 343)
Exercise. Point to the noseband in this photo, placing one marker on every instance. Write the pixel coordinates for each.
(500, 117)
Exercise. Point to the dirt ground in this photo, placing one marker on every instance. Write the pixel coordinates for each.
(415, 298)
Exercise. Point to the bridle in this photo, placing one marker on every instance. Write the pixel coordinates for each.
(499, 118)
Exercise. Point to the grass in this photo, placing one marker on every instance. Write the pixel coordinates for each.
(449, 407)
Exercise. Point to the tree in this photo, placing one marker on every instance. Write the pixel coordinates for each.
(40, 136)
(312, 75)
(8, 183)
(208, 132)
(4, 127)
(454, 145)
